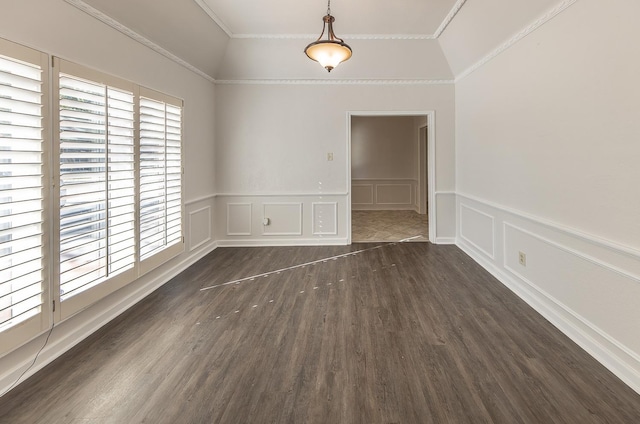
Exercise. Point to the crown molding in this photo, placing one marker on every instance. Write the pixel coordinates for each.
(334, 82)
(215, 17)
(447, 20)
(91, 11)
(345, 36)
(549, 15)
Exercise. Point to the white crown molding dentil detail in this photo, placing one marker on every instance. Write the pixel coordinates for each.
(81, 5)
(345, 36)
(552, 13)
(334, 82)
(447, 20)
(452, 13)
(215, 17)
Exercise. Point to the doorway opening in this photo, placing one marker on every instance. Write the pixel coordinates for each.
(391, 176)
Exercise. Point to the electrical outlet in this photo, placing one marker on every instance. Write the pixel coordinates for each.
(522, 258)
(329, 157)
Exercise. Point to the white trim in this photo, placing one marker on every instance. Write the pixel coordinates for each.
(574, 252)
(597, 241)
(344, 36)
(208, 239)
(303, 81)
(59, 344)
(443, 25)
(393, 185)
(431, 181)
(445, 240)
(229, 233)
(320, 241)
(491, 255)
(264, 215)
(214, 17)
(549, 15)
(431, 166)
(335, 219)
(447, 20)
(81, 5)
(386, 179)
(372, 202)
(571, 324)
(200, 199)
(276, 194)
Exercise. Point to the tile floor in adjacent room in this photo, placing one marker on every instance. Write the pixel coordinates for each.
(380, 226)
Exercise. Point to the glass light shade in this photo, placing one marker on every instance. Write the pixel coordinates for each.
(328, 53)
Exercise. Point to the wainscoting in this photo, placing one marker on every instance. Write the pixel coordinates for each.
(384, 194)
(281, 219)
(587, 287)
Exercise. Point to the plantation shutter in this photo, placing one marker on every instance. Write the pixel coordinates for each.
(160, 178)
(97, 186)
(23, 279)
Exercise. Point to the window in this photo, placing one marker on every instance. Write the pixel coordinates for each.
(23, 279)
(114, 153)
(160, 178)
(118, 217)
(96, 181)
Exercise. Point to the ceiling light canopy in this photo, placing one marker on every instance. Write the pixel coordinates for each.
(333, 50)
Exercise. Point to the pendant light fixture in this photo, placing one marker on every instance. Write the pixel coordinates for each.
(333, 50)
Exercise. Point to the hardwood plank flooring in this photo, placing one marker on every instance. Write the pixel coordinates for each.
(399, 333)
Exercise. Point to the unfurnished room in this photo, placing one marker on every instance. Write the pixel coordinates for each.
(346, 211)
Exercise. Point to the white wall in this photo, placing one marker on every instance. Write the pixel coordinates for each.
(273, 139)
(383, 147)
(481, 26)
(372, 59)
(55, 27)
(547, 157)
(384, 174)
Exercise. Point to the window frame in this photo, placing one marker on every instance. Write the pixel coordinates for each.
(52, 310)
(24, 331)
(173, 250)
(87, 297)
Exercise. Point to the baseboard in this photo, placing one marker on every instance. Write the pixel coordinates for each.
(61, 343)
(594, 341)
(283, 242)
(445, 240)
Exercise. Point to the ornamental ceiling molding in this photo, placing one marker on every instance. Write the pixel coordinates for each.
(349, 36)
(549, 15)
(334, 82)
(204, 6)
(452, 13)
(552, 13)
(81, 5)
(447, 19)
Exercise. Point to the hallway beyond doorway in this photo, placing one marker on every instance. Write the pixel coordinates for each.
(380, 226)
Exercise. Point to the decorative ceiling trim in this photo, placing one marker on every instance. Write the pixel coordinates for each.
(81, 5)
(345, 36)
(334, 82)
(549, 15)
(447, 20)
(215, 17)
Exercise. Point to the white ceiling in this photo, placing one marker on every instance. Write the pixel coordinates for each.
(264, 39)
(370, 17)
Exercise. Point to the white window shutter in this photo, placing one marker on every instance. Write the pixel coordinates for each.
(23, 279)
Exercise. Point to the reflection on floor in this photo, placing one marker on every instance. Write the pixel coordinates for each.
(375, 226)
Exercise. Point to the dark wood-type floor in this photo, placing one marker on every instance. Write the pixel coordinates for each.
(405, 333)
